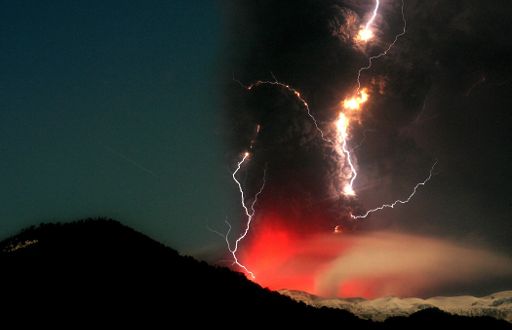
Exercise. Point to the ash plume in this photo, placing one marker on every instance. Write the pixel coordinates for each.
(307, 45)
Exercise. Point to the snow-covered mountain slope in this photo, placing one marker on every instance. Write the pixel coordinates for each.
(497, 305)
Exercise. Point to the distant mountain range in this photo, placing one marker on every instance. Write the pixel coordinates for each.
(100, 272)
(497, 305)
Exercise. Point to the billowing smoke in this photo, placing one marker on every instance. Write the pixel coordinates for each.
(387, 263)
(372, 264)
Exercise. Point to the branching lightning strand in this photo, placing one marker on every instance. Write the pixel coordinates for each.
(374, 14)
(385, 52)
(249, 213)
(392, 205)
(294, 92)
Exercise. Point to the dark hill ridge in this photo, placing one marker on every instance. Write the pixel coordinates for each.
(101, 269)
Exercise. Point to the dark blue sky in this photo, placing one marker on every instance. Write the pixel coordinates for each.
(112, 109)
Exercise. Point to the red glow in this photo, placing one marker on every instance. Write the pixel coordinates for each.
(285, 259)
(369, 265)
(358, 288)
(272, 254)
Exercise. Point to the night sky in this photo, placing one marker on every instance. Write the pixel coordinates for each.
(112, 109)
(129, 110)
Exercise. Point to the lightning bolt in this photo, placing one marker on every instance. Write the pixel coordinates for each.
(360, 97)
(386, 51)
(342, 125)
(365, 34)
(349, 190)
(356, 102)
(399, 201)
(374, 14)
(249, 213)
(294, 92)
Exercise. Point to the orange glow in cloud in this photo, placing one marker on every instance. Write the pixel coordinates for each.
(356, 102)
(351, 111)
(365, 35)
(342, 125)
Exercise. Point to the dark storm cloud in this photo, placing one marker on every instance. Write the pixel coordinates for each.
(305, 44)
(464, 49)
(293, 42)
(440, 93)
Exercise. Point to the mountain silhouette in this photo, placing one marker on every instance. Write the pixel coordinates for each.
(98, 271)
